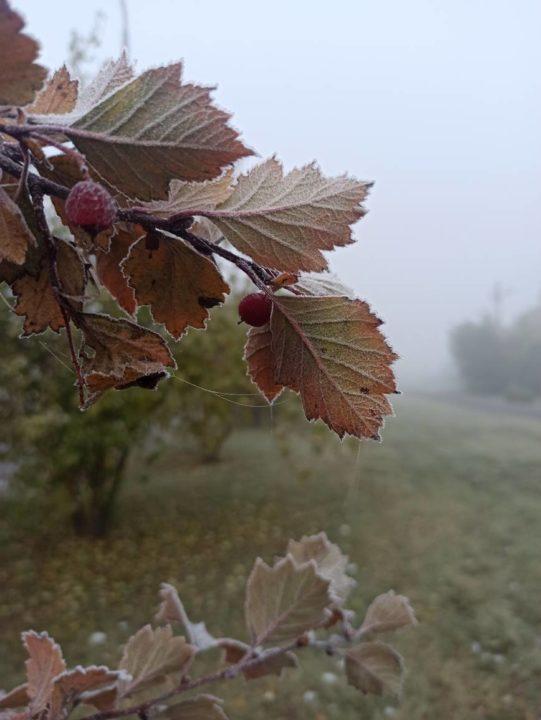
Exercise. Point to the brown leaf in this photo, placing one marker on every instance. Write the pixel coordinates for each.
(284, 222)
(331, 562)
(178, 283)
(330, 350)
(152, 654)
(274, 665)
(44, 664)
(375, 668)
(72, 684)
(155, 129)
(388, 612)
(116, 353)
(284, 601)
(172, 610)
(109, 271)
(59, 94)
(18, 697)
(260, 361)
(15, 235)
(200, 707)
(185, 196)
(20, 76)
(36, 299)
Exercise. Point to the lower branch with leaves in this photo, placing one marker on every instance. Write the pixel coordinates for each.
(295, 605)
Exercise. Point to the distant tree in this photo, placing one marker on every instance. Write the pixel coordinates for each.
(480, 353)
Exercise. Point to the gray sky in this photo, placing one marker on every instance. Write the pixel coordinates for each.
(439, 102)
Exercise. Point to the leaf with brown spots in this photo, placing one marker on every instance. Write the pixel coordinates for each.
(109, 271)
(117, 353)
(36, 298)
(20, 76)
(58, 96)
(329, 349)
(178, 283)
(15, 235)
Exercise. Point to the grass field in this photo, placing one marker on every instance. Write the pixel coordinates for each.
(446, 511)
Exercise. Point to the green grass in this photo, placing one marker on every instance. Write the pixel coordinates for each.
(446, 511)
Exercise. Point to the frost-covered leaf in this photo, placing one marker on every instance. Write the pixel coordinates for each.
(388, 612)
(284, 601)
(119, 353)
(109, 270)
(375, 668)
(20, 76)
(324, 283)
(331, 562)
(36, 298)
(44, 664)
(203, 228)
(71, 685)
(15, 235)
(178, 283)
(274, 665)
(284, 222)
(151, 655)
(59, 95)
(330, 350)
(155, 129)
(18, 697)
(260, 361)
(172, 610)
(200, 707)
(184, 196)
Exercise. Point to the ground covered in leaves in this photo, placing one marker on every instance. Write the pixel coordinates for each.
(446, 511)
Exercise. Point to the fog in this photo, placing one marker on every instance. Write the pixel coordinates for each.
(438, 102)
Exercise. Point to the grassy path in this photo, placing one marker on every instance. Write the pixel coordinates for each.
(447, 511)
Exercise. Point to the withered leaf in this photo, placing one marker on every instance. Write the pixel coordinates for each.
(36, 298)
(375, 668)
(44, 664)
(18, 697)
(260, 361)
(109, 270)
(284, 222)
(20, 76)
(235, 650)
(200, 707)
(15, 235)
(330, 560)
(116, 352)
(178, 283)
(284, 601)
(184, 197)
(59, 94)
(388, 612)
(172, 610)
(151, 655)
(154, 129)
(330, 350)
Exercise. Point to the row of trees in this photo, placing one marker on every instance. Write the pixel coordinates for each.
(80, 460)
(497, 359)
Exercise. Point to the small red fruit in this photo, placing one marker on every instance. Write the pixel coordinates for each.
(90, 206)
(255, 309)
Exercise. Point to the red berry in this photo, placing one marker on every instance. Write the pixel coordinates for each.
(255, 309)
(90, 206)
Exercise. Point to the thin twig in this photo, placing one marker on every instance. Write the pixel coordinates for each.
(21, 187)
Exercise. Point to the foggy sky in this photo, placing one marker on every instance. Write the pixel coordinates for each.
(438, 102)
